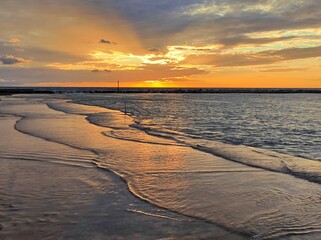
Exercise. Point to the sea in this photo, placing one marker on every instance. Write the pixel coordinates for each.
(249, 163)
(288, 123)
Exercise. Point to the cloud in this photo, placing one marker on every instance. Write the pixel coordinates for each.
(298, 53)
(284, 69)
(104, 70)
(38, 54)
(5, 82)
(153, 49)
(10, 60)
(202, 22)
(246, 59)
(34, 76)
(244, 40)
(14, 40)
(105, 41)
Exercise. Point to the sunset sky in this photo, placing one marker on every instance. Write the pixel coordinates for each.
(160, 43)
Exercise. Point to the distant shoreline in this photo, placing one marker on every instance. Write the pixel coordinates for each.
(62, 90)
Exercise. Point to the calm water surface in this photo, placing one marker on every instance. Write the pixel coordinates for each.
(288, 123)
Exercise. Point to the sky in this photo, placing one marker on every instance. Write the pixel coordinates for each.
(161, 43)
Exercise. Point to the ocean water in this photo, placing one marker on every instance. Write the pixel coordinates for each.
(287, 123)
(248, 164)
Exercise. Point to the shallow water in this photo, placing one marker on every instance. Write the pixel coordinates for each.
(52, 191)
(255, 192)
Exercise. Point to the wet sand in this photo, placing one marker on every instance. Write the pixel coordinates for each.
(251, 201)
(52, 191)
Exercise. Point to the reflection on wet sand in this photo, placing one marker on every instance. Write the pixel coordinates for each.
(51, 191)
(244, 199)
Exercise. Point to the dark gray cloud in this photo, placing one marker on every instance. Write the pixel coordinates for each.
(297, 53)
(10, 60)
(167, 22)
(259, 58)
(105, 41)
(154, 49)
(104, 70)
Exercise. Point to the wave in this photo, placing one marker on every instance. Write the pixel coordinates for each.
(219, 187)
(255, 157)
(138, 136)
(299, 167)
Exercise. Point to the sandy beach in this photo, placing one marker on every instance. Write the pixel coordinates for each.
(81, 171)
(52, 191)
